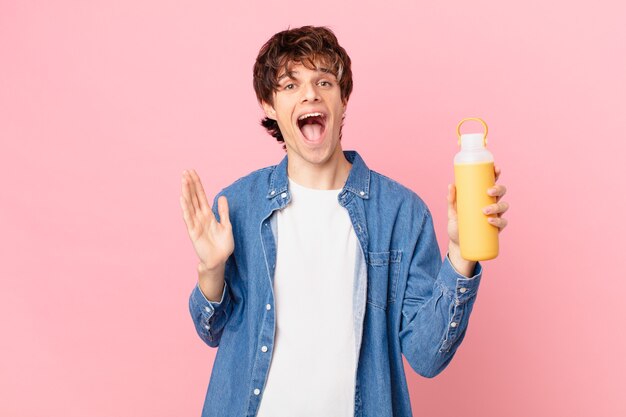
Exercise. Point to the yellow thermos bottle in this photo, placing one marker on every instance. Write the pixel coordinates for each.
(474, 175)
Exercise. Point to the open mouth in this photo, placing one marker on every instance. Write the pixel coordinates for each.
(312, 125)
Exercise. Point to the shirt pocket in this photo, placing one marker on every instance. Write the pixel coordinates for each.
(383, 271)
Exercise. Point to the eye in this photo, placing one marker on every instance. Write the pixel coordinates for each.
(325, 83)
(289, 86)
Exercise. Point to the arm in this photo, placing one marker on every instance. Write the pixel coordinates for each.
(211, 233)
(436, 307)
(209, 317)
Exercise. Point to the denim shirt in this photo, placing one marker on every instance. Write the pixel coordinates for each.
(406, 300)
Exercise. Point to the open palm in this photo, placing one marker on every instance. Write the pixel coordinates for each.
(212, 240)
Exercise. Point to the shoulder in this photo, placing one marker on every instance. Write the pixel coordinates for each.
(246, 193)
(393, 192)
(251, 181)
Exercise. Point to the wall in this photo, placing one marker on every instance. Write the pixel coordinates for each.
(104, 103)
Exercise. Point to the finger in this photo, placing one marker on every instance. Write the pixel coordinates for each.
(497, 191)
(187, 194)
(202, 200)
(193, 192)
(496, 208)
(497, 171)
(499, 222)
(186, 215)
(501, 192)
(452, 201)
(222, 208)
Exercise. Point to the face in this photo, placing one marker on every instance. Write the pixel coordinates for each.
(308, 109)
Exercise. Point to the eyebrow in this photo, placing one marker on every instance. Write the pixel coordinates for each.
(291, 73)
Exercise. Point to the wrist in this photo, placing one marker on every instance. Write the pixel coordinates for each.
(211, 281)
(460, 264)
(202, 267)
(211, 273)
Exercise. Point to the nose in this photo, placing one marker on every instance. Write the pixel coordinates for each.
(309, 93)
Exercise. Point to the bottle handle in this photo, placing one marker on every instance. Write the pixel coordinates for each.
(478, 119)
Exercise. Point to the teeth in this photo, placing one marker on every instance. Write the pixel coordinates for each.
(304, 116)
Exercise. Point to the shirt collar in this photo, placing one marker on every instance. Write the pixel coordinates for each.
(358, 181)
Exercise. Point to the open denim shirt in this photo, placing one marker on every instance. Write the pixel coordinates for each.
(406, 300)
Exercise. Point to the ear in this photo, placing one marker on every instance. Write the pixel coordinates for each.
(269, 110)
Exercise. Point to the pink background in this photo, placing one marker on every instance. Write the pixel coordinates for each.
(104, 103)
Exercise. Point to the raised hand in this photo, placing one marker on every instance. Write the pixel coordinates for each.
(212, 240)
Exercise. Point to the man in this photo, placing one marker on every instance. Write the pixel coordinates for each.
(317, 274)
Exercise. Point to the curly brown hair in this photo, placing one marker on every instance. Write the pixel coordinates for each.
(308, 45)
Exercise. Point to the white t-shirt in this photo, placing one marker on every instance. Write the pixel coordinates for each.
(313, 369)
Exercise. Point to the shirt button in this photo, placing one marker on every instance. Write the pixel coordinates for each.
(207, 309)
(264, 349)
(453, 324)
(268, 307)
(273, 192)
(257, 391)
(362, 192)
(206, 326)
(462, 290)
(283, 195)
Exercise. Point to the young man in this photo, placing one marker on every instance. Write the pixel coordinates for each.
(317, 274)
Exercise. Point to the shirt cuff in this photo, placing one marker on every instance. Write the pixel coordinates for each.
(209, 306)
(460, 286)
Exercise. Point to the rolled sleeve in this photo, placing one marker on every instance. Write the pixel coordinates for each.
(453, 282)
(460, 291)
(209, 317)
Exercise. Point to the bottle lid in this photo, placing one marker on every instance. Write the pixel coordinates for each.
(472, 141)
(483, 137)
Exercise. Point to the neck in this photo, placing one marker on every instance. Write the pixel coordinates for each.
(330, 175)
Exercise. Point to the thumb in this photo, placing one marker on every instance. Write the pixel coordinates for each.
(222, 208)
(452, 201)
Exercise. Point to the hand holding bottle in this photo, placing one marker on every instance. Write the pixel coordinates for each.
(498, 208)
(474, 210)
